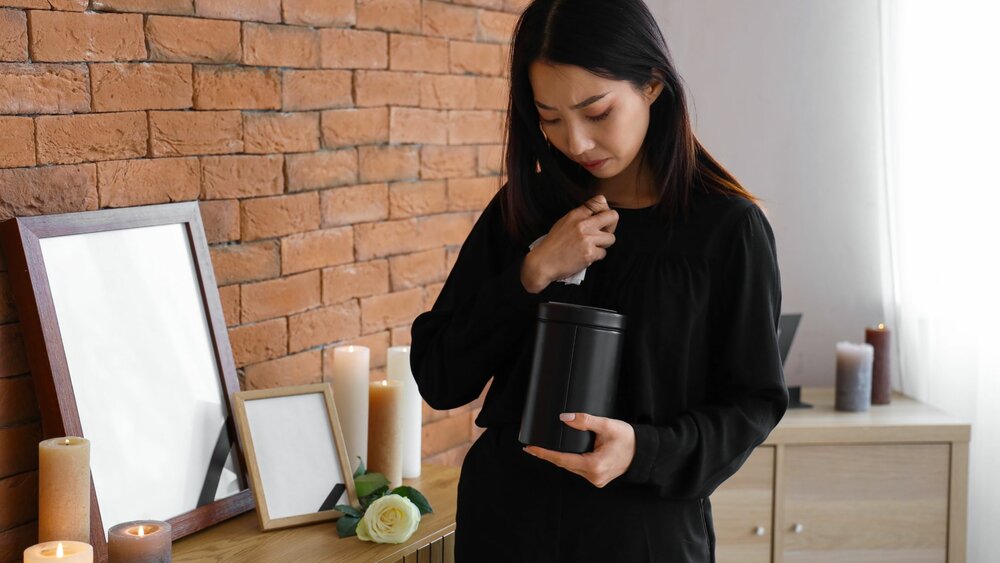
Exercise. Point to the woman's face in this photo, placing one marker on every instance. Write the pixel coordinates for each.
(590, 119)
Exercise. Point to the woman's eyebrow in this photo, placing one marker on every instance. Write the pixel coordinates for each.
(582, 104)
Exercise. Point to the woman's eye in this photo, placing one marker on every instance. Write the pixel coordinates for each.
(549, 121)
(601, 117)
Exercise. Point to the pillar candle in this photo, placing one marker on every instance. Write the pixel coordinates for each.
(64, 490)
(881, 339)
(350, 395)
(398, 360)
(60, 551)
(385, 431)
(854, 376)
(142, 541)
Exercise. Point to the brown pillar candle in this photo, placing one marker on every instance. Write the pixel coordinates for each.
(64, 490)
(881, 339)
(142, 541)
(385, 430)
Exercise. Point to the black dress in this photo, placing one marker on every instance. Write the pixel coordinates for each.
(701, 383)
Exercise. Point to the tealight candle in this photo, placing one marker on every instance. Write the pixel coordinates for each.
(385, 431)
(61, 551)
(350, 395)
(398, 368)
(64, 489)
(881, 339)
(142, 541)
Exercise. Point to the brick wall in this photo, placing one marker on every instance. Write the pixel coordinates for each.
(341, 151)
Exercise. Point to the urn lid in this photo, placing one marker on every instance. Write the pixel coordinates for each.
(581, 315)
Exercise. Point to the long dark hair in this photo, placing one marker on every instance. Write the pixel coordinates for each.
(617, 40)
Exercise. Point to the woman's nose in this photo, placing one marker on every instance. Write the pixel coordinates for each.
(579, 141)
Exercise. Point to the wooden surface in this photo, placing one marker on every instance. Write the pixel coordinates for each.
(240, 539)
(742, 507)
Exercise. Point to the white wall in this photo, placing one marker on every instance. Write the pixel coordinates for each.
(786, 94)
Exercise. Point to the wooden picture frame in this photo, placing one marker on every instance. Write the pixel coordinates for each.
(295, 454)
(42, 252)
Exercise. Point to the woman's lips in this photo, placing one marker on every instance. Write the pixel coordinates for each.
(593, 164)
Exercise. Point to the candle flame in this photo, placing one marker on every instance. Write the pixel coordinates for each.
(350, 348)
(66, 441)
(385, 382)
(142, 532)
(59, 550)
(881, 326)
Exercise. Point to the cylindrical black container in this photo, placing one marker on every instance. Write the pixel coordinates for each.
(577, 353)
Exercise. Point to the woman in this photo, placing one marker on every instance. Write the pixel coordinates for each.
(602, 160)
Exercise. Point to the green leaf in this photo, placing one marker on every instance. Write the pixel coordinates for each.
(373, 496)
(347, 526)
(348, 510)
(415, 497)
(368, 483)
(361, 468)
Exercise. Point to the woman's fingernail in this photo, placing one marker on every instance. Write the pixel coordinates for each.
(567, 416)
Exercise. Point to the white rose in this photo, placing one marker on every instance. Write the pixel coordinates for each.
(390, 519)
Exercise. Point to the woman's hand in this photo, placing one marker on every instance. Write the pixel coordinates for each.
(577, 240)
(614, 448)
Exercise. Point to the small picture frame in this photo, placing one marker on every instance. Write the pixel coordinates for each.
(295, 454)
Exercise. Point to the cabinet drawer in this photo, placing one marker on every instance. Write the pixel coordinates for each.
(742, 507)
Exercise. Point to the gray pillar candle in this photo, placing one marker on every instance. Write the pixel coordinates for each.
(854, 376)
(142, 541)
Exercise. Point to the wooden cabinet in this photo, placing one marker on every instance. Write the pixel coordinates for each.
(886, 485)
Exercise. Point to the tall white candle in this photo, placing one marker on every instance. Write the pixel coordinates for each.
(350, 394)
(398, 360)
(854, 376)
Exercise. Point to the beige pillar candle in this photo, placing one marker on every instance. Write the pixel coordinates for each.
(385, 430)
(350, 395)
(142, 541)
(398, 368)
(64, 490)
(61, 552)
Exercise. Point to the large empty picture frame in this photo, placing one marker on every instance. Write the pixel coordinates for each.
(295, 454)
(128, 347)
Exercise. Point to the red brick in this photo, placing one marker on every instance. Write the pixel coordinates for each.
(471, 194)
(125, 183)
(43, 88)
(496, 27)
(240, 263)
(316, 249)
(223, 87)
(67, 139)
(385, 238)
(414, 270)
(280, 45)
(380, 88)
(259, 342)
(316, 89)
(475, 127)
(445, 229)
(452, 257)
(280, 215)
(447, 20)
(492, 93)
(516, 6)
(247, 10)
(429, 414)
(279, 297)
(380, 312)
(181, 133)
(319, 13)
(417, 125)
(445, 434)
(17, 400)
(32, 4)
(297, 369)
(229, 296)
(350, 281)
(281, 132)
(324, 325)
(310, 171)
(493, 4)
(431, 293)
(442, 91)
(221, 219)
(348, 127)
(13, 359)
(72, 37)
(408, 199)
(193, 40)
(377, 344)
(413, 52)
(475, 58)
(390, 15)
(13, 36)
(18, 146)
(355, 204)
(173, 7)
(452, 457)
(239, 176)
(447, 162)
(43, 191)
(354, 49)
(381, 164)
(401, 335)
(490, 158)
(137, 86)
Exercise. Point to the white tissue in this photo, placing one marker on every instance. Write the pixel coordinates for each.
(575, 279)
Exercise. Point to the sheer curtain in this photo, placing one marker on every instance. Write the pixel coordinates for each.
(941, 97)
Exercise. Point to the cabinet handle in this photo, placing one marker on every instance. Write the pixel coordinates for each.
(798, 528)
(759, 531)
